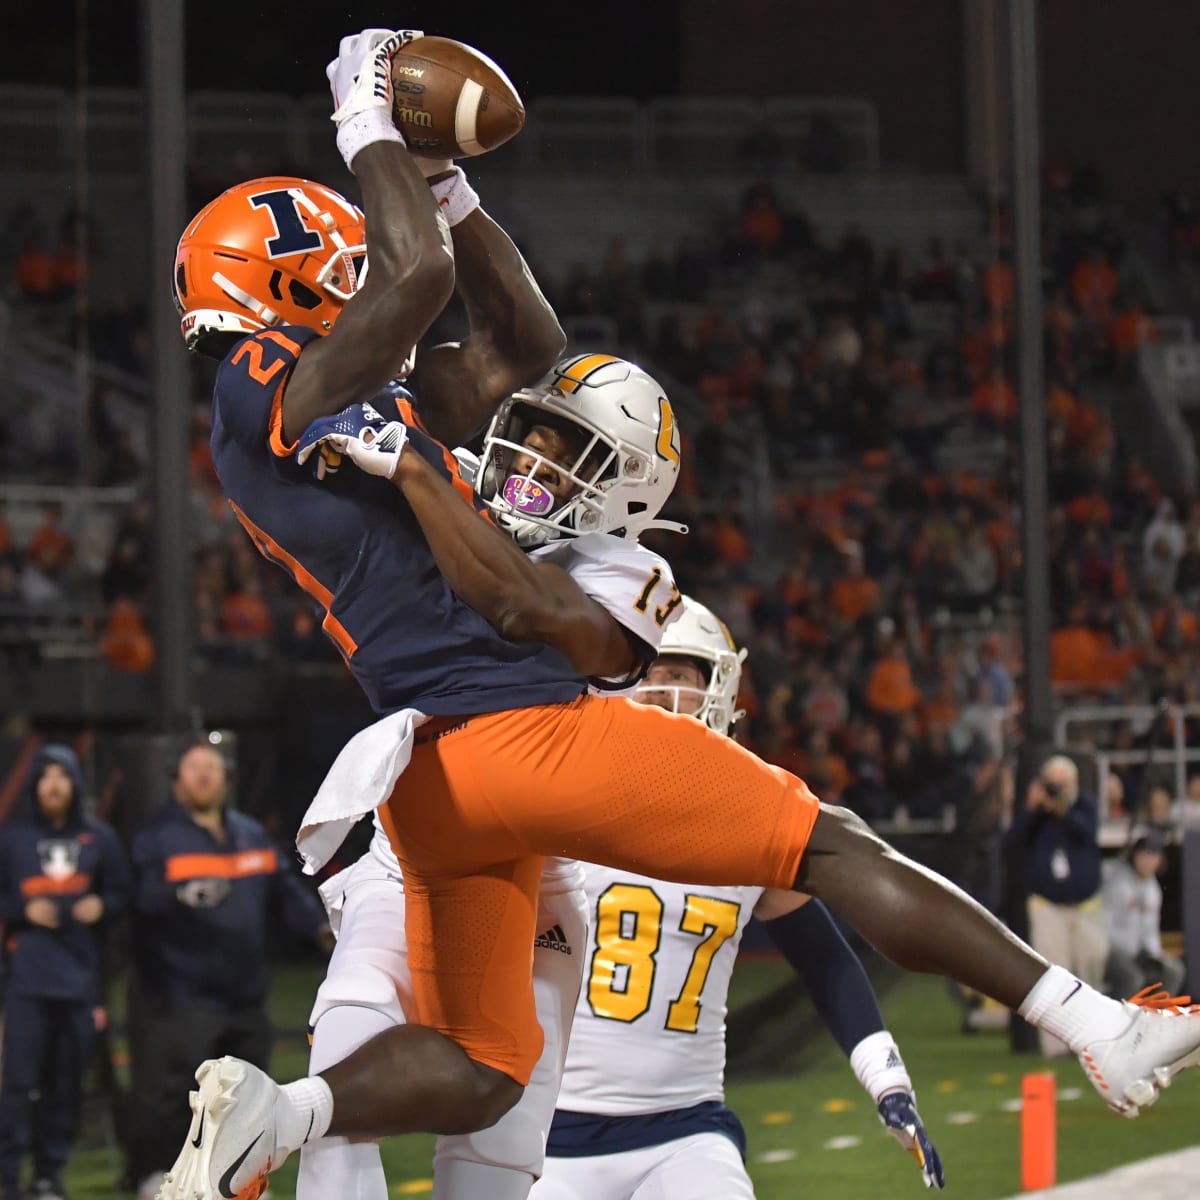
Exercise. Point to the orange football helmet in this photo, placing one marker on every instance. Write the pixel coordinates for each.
(268, 252)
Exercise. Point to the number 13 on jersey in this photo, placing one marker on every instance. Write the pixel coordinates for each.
(628, 935)
(664, 610)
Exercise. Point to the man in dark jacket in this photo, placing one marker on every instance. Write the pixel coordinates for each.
(1057, 833)
(62, 877)
(206, 876)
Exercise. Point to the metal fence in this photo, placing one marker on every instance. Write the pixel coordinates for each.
(1089, 730)
(45, 129)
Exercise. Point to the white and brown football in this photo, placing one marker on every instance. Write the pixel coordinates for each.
(451, 101)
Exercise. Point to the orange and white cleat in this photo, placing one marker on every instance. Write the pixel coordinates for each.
(230, 1145)
(1162, 1039)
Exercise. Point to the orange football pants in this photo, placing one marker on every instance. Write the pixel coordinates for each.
(599, 779)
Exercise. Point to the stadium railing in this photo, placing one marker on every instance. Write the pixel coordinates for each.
(1088, 728)
(43, 129)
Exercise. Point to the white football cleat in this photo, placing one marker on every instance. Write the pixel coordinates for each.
(1162, 1039)
(231, 1141)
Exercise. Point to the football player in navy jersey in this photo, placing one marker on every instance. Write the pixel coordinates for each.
(430, 605)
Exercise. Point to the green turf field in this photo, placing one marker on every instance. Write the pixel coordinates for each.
(793, 1118)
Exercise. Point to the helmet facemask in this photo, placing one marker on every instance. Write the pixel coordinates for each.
(698, 636)
(713, 704)
(521, 502)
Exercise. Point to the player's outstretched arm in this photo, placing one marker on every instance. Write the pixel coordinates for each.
(806, 935)
(411, 263)
(514, 339)
(521, 599)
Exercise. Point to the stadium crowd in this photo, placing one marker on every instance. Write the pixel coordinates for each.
(849, 419)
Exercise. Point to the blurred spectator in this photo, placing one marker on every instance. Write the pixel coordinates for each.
(35, 268)
(1190, 805)
(1163, 544)
(975, 567)
(1158, 816)
(245, 616)
(868, 793)
(996, 674)
(825, 703)
(70, 263)
(994, 402)
(63, 879)
(125, 642)
(890, 689)
(1133, 912)
(51, 547)
(127, 572)
(206, 877)
(761, 222)
(1056, 831)
(855, 595)
(1094, 286)
(825, 771)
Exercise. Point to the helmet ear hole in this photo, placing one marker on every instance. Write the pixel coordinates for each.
(302, 295)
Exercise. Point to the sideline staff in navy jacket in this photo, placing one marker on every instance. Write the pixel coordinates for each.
(1058, 834)
(206, 877)
(62, 877)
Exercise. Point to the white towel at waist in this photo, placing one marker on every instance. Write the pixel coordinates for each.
(361, 779)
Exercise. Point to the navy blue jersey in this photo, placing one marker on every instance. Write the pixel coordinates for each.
(353, 544)
(63, 863)
(212, 954)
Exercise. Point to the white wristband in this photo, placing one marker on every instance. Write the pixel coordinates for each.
(456, 198)
(877, 1063)
(363, 129)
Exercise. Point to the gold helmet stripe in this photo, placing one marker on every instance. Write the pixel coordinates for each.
(577, 373)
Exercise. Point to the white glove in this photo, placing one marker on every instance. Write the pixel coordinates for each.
(374, 449)
(360, 78)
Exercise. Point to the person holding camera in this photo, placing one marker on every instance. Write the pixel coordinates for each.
(206, 878)
(1057, 833)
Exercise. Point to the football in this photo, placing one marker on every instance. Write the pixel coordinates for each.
(451, 101)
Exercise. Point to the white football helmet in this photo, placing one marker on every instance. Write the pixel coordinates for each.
(624, 473)
(698, 633)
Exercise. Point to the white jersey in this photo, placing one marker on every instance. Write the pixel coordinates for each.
(654, 997)
(638, 588)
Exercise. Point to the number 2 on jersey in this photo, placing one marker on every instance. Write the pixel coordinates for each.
(628, 934)
(663, 611)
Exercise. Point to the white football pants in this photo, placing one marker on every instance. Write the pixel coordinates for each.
(702, 1166)
(367, 989)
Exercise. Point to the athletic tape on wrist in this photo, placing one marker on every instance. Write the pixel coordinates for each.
(456, 198)
(877, 1063)
(364, 129)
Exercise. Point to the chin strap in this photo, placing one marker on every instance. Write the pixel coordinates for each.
(669, 526)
